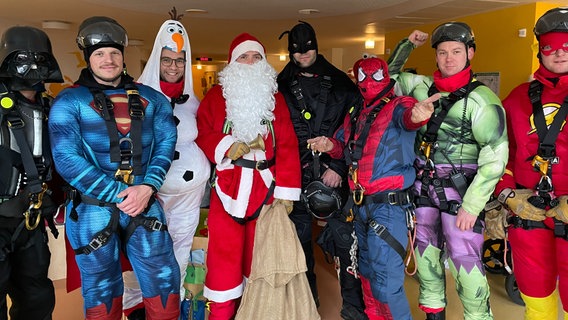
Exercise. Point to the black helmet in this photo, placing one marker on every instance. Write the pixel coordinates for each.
(26, 55)
(553, 20)
(453, 31)
(323, 201)
(98, 32)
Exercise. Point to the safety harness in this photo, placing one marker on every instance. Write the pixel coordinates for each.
(127, 152)
(427, 174)
(31, 199)
(354, 150)
(305, 110)
(544, 159)
(353, 154)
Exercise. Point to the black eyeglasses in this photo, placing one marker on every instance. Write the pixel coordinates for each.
(166, 62)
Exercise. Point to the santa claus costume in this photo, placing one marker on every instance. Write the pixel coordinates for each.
(245, 105)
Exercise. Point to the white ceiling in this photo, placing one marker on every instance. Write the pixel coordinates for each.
(339, 23)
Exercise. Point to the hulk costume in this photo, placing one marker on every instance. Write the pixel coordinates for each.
(472, 139)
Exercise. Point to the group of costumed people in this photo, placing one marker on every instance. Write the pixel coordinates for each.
(136, 156)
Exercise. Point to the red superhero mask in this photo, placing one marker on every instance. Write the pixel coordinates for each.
(372, 78)
(551, 42)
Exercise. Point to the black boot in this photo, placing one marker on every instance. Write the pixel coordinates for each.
(349, 312)
(436, 316)
(138, 314)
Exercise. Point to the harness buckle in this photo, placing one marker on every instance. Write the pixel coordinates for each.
(95, 244)
(540, 164)
(15, 123)
(392, 199)
(124, 175)
(156, 226)
(379, 228)
(136, 113)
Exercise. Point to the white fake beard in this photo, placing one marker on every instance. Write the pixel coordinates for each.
(249, 93)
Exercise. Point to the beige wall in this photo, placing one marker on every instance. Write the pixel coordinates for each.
(499, 49)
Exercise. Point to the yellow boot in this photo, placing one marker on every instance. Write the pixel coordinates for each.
(542, 308)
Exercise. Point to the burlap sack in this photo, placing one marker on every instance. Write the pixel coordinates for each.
(277, 287)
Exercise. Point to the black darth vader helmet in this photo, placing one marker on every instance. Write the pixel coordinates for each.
(323, 201)
(26, 58)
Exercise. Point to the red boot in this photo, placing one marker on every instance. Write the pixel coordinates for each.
(374, 309)
(155, 310)
(101, 312)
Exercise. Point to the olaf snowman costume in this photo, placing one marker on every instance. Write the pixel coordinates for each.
(184, 187)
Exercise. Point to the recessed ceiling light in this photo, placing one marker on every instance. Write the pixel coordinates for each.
(499, 1)
(55, 24)
(413, 18)
(371, 28)
(308, 11)
(196, 10)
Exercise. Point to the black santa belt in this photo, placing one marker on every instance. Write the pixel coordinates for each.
(258, 165)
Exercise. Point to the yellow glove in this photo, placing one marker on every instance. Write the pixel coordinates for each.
(517, 201)
(237, 150)
(288, 204)
(560, 212)
(495, 220)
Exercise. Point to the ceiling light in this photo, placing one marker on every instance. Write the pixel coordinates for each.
(413, 18)
(308, 11)
(195, 10)
(498, 1)
(56, 24)
(370, 44)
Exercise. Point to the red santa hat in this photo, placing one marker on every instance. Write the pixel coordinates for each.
(242, 43)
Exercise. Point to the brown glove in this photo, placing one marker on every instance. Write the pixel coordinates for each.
(560, 212)
(288, 204)
(495, 220)
(237, 150)
(517, 201)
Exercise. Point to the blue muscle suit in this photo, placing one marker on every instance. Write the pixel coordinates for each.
(82, 156)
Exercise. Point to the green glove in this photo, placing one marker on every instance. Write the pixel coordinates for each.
(237, 150)
(560, 212)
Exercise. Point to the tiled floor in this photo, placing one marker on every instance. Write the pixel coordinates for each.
(69, 305)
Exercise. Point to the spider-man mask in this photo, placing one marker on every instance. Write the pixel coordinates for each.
(372, 78)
